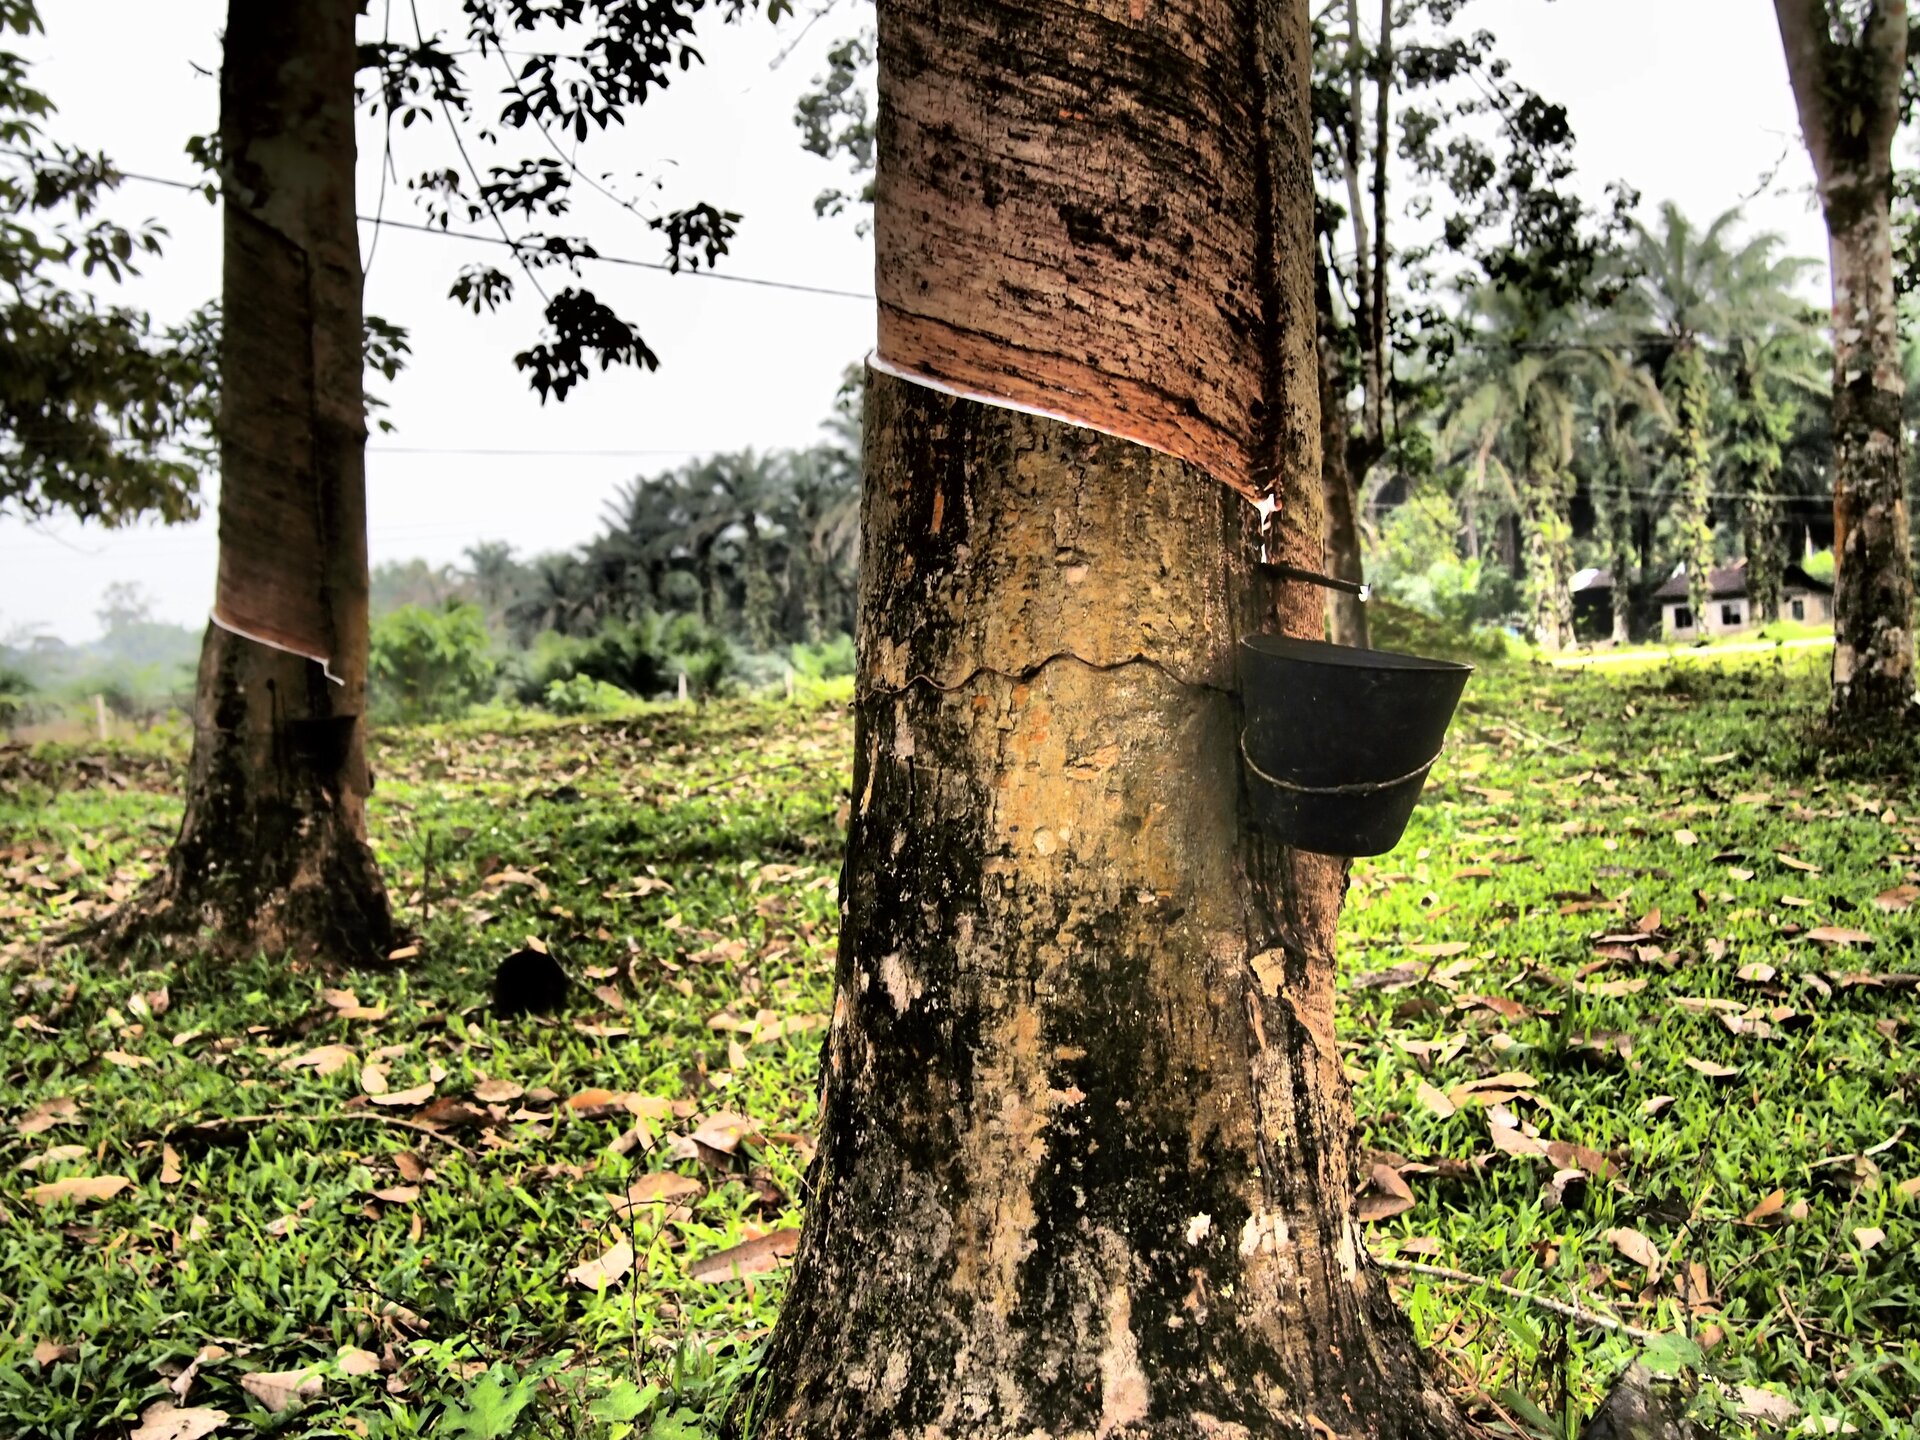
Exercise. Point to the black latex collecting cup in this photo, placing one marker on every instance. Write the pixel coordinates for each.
(1338, 740)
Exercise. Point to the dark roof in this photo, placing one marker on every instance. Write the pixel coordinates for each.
(1723, 583)
(1729, 582)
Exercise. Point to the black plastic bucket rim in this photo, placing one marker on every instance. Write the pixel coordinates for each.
(1325, 652)
(1338, 740)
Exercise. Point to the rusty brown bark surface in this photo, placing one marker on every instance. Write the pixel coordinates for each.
(1071, 216)
(1848, 97)
(1086, 1153)
(272, 853)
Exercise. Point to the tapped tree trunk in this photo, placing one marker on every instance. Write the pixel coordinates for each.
(1086, 1160)
(272, 852)
(1847, 92)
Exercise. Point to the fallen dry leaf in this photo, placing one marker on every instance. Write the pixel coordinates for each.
(47, 1114)
(126, 1061)
(51, 1352)
(753, 1257)
(1713, 1070)
(280, 1390)
(1838, 935)
(726, 1132)
(1441, 949)
(1794, 862)
(1609, 989)
(413, 1095)
(1390, 1195)
(1654, 1104)
(604, 1270)
(323, 1060)
(55, 1155)
(1435, 1100)
(84, 1188)
(398, 1194)
(660, 1186)
(169, 1165)
(1767, 1209)
(163, 1421)
(1637, 1248)
(497, 1092)
(1899, 898)
(1867, 1237)
(354, 1361)
(1685, 838)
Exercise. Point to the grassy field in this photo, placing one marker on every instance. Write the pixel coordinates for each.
(1628, 1016)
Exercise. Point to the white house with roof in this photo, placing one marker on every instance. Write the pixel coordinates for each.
(1803, 600)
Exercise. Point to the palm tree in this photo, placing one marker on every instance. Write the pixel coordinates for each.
(1678, 305)
(495, 574)
(553, 599)
(1513, 417)
(1718, 327)
(1625, 431)
(1774, 362)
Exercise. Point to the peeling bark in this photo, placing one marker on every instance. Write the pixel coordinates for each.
(272, 851)
(1086, 1151)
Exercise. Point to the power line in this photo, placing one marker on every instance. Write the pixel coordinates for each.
(443, 232)
(494, 450)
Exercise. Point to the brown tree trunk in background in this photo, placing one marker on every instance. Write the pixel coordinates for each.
(1346, 614)
(1086, 1162)
(1849, 103)
(272, 852)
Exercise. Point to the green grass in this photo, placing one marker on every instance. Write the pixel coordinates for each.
(683, 862)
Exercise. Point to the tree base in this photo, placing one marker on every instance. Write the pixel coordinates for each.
(271, 856)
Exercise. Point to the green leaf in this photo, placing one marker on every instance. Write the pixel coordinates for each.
(492, 1407)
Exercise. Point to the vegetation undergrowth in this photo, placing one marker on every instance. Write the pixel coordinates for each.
(1628, 1016)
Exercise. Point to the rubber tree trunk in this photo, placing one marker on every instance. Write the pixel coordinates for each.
(1086, 1152)
(272, 851)
(1848, 97)
(1873, 658)
(1689, 397)
(1760, 427)
(1346, 614)
(1549, 530)
(1620, 554)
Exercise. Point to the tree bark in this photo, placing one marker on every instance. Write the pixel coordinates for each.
(1086, 1160)
(1086, 1152)
(1848, 97)
(1549, 530)
(1346, 614)
(272, 851)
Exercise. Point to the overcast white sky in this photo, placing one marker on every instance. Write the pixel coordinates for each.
(1684, 99)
